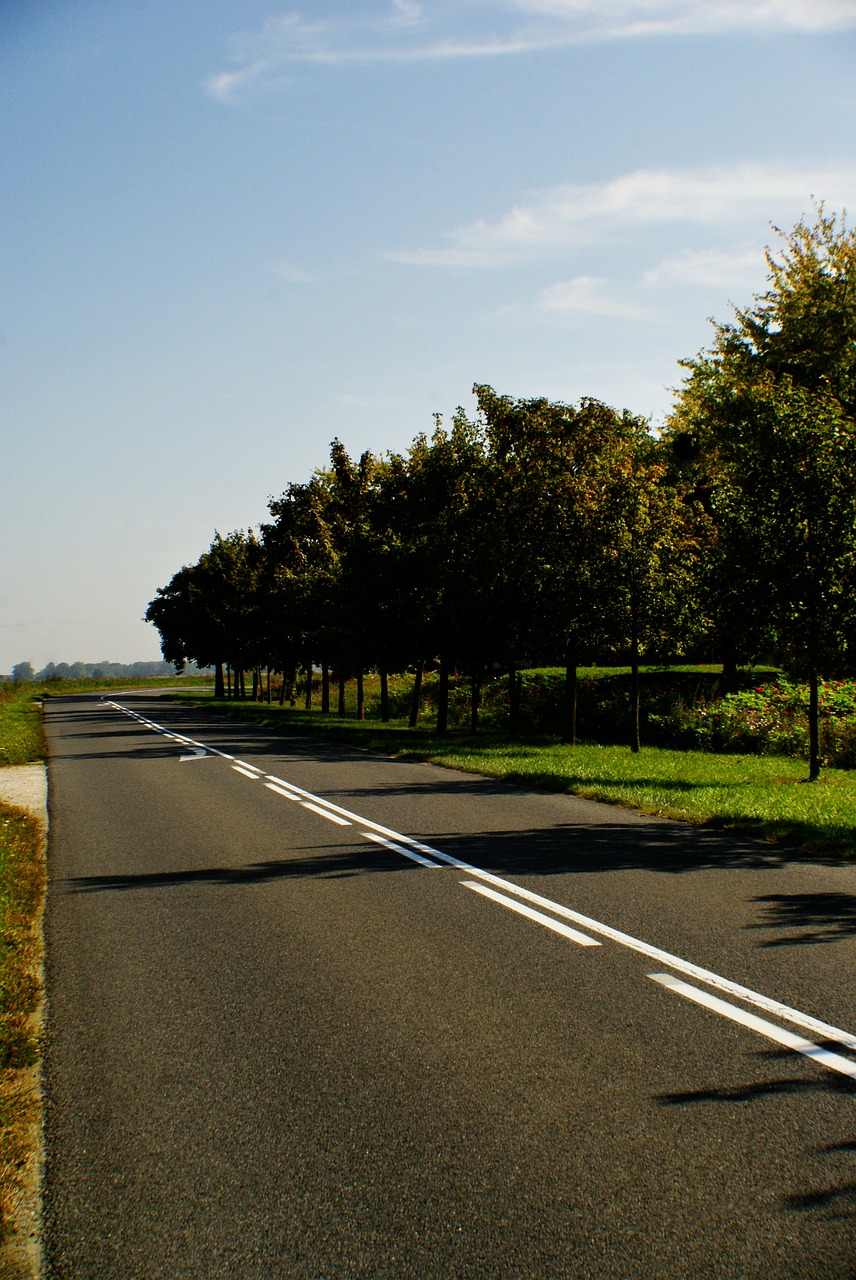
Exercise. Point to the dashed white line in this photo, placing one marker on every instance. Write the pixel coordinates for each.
(411, 848)
(746, 1019)
(246, 772)
(548, 922)
(399, 848)
(325, 813)
(280, 791)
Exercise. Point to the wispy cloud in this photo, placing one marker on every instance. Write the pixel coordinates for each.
(675, 281)
(707, 268)
(294, 275)
(617, 19)
(406, 30)
(591, 296)
(576, 214)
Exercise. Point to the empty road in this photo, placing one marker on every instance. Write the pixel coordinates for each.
(317, 1014)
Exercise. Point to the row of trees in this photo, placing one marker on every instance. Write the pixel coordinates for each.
(24, 671)
(540, 531)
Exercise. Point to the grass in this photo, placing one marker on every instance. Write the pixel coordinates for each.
(22, 887)
(765, 796)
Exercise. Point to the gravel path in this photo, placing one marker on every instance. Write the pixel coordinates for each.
(26, 785)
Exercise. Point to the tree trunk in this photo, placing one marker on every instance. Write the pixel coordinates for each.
(267, 691)
(813, 700)
(361, 704)
(569, 728)
(282, 691)
(325, 689)
(813, 726)
(308, 691)
(417, 697)
(634, 679)
(228, 680)
(341, 706)
(475, 698)
(443, 696)
(219, 683)
(255, 684)
(384, 695)
(729, 665)
(514, 679)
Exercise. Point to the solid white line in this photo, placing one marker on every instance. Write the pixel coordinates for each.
(814, 1051)
(547, 921)
(399, 848)
(324, 813)
(271, 786)
(707, 976)
(246, 772)
(244, 765)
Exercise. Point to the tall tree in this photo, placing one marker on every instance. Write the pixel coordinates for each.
(772, 408)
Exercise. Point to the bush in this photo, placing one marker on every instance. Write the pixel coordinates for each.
(771, 719)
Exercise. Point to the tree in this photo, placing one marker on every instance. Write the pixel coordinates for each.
(23, 671)
(772, 409)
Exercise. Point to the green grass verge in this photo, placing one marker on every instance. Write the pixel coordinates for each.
(765, 796)
(22, 887)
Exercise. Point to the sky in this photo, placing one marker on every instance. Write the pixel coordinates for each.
(230, 232)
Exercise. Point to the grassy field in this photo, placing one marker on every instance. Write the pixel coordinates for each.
(765, 796)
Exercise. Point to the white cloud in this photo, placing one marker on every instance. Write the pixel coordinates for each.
(406, 30)
(576, 214)
(588, 295)
(707, 268)
(295, 275)
(614, 19)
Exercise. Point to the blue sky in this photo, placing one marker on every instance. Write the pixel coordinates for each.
(231, 232)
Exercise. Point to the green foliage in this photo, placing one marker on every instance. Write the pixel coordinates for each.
(771, 719)
(769, 412)
(22, 738)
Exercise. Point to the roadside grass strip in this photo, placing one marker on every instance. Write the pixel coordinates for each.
(428, 856)
(22, 887)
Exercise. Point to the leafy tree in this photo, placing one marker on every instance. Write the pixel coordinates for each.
(23, 671)
(649, 550)
(770, 408)
(210, 611)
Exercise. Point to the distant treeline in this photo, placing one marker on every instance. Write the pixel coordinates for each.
(99, 671)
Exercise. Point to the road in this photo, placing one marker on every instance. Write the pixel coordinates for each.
(318, 1014)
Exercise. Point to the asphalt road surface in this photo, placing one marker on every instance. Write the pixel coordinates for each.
(318, 1014)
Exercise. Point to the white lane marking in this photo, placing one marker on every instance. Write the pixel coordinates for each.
(399, 848)
(325, 813)
(547, 921)
(707, 976)
(814, 1051)
(786, 1012)
(198, 754)
(271, 786)
(244, 765)
(254, 777)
